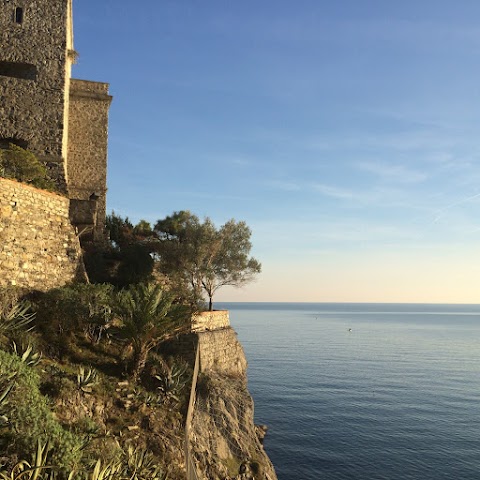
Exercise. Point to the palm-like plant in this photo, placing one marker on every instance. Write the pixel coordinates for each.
(147, 318)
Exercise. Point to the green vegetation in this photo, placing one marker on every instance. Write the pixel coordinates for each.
(147, 318)
(30, 417)
(69, 407)
(190, 257)
(91, 387)
(172, 381)
(203, 256)
(15, 315)
(22, 165)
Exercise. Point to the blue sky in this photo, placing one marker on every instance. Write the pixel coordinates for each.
(345, 133)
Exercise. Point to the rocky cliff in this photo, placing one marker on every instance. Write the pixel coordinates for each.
(225, 442)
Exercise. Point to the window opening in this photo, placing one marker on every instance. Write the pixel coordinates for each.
(18, 15)
(25, 71)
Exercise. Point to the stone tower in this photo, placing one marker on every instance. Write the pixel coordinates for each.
(36, 55)
(62, 121)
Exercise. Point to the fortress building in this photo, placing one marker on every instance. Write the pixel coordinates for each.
(63, 121)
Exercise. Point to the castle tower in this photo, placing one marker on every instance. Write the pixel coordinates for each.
(36, 54)
(63, 121)
(87, 145)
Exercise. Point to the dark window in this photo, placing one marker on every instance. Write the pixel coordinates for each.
(18, 15)
(25, 71)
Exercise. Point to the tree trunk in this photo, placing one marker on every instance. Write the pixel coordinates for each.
(210, 305)
(139, 360)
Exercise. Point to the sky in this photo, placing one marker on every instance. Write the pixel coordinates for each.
(345, 133)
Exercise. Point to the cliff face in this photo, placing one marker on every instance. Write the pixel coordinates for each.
(224, 439)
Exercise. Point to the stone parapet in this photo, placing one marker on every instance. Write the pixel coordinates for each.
(88, 86)
(206, 321)
(39, 249)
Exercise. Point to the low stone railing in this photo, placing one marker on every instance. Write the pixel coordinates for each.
(208, 321)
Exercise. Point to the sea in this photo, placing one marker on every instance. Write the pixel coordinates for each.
(365, 391)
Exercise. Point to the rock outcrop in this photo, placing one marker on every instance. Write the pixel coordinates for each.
(224, 439)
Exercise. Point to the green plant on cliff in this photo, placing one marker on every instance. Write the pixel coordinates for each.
(15, 315)
(6, 385)
(27, 354)
(29, 470)
(140, 464)
(172, 381)
(77, 308)
(147, 317)
(22, 165)
(86, 379)
(30, 418)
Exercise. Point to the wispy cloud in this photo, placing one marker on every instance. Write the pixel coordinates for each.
(395, 172)
(441, 212)
(287, 186)
(335, 192)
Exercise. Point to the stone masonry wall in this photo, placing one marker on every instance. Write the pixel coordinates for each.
(221, 352)
(205, 321)
(87, 142)
(32, 106)
(39, 249)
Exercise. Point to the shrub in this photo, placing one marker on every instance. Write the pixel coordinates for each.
(22, 165)
(31, 419)
(81, 307)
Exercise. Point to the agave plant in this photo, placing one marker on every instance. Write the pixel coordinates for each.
(3, 402)
(172, 381)
(27, 355)
(110, 471)
(29, 471)
(140, 465)
(15, 316)
(86, 379)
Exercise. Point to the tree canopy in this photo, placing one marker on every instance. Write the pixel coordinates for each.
(198, 254)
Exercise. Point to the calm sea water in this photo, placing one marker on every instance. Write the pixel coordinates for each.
(395, 398)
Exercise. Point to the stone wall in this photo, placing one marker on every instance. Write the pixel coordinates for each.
(34, 76)
(87, 143)
(39, 249)
(205, 321)
(221, 352)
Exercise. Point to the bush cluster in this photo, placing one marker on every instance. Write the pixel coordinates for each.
(22, 165)
(31, 385)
